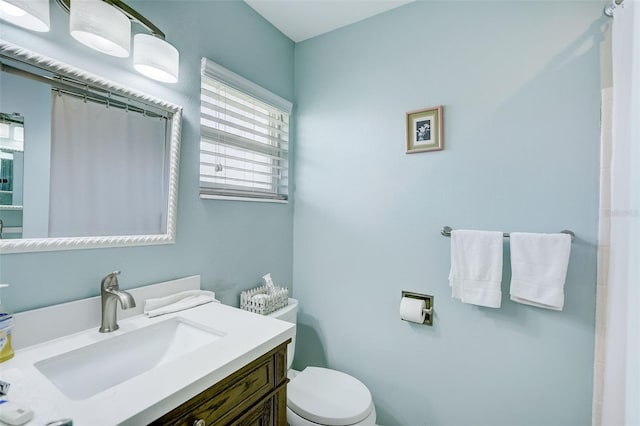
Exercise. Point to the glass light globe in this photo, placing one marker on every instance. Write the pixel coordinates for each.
(100, 26)
(155, 58)
(30, 14)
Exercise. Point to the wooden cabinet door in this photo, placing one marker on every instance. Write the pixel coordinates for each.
(254, 395)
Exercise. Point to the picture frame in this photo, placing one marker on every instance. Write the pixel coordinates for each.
(424, 130)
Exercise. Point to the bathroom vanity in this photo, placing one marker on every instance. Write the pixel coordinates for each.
(254, 395)
(209, 365)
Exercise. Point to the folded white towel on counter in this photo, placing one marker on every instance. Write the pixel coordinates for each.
(476, 267)
(539, 268)
(177, 302)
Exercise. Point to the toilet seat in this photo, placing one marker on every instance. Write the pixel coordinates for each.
(329, 397)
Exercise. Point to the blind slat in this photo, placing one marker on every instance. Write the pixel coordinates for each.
(239, 126)
(275, 121)
(219, 73)
(233, 157)
(218, 138)
(205, 151)
(208, 184)
(212, 89)
(269, 128)
(274, 159)
(218, 174)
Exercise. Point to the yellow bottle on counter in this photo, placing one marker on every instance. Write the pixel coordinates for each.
(6, 324)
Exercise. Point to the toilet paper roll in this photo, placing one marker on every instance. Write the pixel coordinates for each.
(412, 309)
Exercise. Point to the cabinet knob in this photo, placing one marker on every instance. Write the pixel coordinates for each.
(199, 422)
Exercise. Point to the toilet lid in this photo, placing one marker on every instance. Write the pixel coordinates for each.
(328, 397)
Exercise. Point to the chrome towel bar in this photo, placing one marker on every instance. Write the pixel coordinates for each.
(446, 231)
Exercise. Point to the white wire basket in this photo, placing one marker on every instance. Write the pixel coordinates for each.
(264, 300)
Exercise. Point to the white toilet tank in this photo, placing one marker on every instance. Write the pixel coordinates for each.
(289, 313)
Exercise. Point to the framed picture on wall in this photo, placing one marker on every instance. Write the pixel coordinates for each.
(424, 130)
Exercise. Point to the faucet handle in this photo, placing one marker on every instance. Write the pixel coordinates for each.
(111, 280)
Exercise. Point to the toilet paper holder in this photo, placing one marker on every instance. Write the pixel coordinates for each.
(428, 300)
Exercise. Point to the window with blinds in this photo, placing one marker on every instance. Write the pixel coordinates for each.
(244, 138)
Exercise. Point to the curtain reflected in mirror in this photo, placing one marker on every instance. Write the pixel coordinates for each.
(108, 170)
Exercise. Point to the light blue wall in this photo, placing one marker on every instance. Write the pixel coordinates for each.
(520, 83)
(33, 101)
(520, 86)
(232, 244)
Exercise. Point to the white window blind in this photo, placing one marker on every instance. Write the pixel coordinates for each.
(244, 138)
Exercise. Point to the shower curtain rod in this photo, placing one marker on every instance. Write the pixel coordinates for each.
(108, 102)
(69, 85)
(608, 9)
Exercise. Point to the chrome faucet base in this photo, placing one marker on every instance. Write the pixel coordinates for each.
(108, 329)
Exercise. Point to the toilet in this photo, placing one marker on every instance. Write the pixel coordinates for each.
(321, 396)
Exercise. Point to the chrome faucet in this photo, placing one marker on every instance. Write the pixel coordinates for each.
(110, 293)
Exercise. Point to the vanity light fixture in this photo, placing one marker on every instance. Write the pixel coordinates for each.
(104, 25)
(153, 56)
(30, 14)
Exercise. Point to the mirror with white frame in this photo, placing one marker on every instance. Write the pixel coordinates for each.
(100, 160)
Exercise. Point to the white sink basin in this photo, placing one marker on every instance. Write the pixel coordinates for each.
(84, 372)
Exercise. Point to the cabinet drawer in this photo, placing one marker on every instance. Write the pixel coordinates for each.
(269, 412)
(234, 396)
(245, 391)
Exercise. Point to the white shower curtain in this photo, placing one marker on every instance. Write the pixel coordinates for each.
(621, 397)
(107, 170)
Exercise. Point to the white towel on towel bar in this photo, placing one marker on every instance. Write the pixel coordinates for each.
(177, 302)
(539, 268)
(476, 267)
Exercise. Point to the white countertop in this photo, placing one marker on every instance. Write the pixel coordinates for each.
(149, 395)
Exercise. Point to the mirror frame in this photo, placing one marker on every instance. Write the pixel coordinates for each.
(15, 52)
